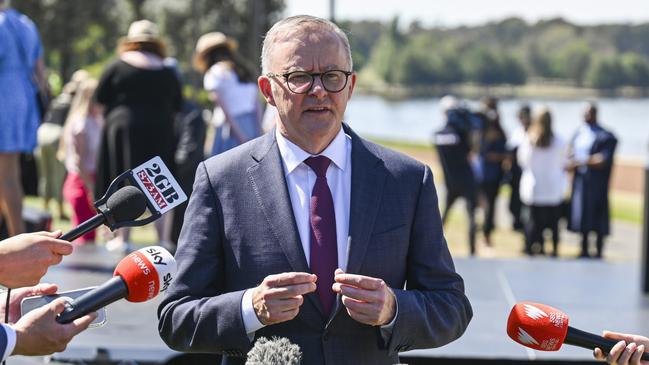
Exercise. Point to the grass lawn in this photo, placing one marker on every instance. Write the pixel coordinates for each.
(626, 207)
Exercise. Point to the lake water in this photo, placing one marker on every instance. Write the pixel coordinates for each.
(414, 120)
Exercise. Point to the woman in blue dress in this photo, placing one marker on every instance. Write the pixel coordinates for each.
(21, 68)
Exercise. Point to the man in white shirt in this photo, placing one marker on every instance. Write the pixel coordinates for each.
(310, 232)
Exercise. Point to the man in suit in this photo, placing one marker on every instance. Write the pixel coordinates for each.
(310, 232)
(591, 149)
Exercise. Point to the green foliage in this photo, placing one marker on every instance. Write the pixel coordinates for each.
(506, 52)
(636, 69)
(84, 34)
(606, 73)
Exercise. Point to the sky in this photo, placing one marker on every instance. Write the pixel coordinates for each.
(450, 13)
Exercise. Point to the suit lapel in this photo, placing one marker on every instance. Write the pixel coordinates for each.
(368, 179)
(269, 183)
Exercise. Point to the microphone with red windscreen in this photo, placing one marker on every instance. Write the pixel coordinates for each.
(138, 277)
(541, 327)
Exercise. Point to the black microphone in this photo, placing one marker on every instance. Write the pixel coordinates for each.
(277, 351)
(589, 341)
(128, 203)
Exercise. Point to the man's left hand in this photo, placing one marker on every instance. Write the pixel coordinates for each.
(368, 300)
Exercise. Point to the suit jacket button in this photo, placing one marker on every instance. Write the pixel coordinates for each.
(325, 336)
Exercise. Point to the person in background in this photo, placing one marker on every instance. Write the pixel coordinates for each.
(542, 157)
(517, 137)
(141, 98)
(24, 259)
(78, 149)
(22, 71)
(190, 130)
(51, 171)
(311, 232)
(453, 146)
(493, 153)
(230, 82)
(591, 160)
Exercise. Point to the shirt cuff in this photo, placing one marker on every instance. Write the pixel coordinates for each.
(386, 329)
(250, 320)
(10, 341)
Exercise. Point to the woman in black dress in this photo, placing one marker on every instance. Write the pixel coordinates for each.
(141, 97)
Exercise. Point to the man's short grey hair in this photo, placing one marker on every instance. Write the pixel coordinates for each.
(292, 25)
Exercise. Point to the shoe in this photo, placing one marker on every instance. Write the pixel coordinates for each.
(118, 244)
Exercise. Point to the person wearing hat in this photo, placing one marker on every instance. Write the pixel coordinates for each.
(140, 97)
(231, 84)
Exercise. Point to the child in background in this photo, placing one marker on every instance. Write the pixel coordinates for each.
(78, 151)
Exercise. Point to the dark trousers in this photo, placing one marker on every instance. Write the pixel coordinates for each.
(451, 196)
(538, 218)
(490, 191)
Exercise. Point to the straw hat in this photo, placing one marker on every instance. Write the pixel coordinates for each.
(209, 41)
(142, 31)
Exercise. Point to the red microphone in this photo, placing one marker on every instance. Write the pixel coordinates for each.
(140, 276)
(545, 328)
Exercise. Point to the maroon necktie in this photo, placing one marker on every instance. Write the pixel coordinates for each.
(324, 251)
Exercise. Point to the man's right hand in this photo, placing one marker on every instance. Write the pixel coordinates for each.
(279, 297)
(25, 258)
(38, 332)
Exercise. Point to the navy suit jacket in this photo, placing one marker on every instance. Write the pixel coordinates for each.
(239, 228)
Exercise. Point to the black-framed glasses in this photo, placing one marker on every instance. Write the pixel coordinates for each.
(300, 82)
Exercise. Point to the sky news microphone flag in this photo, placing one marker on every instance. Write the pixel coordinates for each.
(140, 276)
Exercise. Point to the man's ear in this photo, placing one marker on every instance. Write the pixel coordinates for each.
(266, 89)
(352, 84)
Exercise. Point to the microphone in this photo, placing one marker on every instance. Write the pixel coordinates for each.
(545, 328)
(277, 350)
(138, 277)
(127, 204)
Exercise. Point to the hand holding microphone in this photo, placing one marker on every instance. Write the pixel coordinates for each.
(140, 276)
(545, 328)
(628, 350)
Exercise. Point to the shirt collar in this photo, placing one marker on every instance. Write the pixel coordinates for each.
(293, 155)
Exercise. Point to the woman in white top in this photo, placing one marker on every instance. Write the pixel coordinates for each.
(542, 156)
(232, 85)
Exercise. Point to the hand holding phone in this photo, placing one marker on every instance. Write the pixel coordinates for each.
(30, 303)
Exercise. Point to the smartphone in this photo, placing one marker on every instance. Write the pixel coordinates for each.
(28, 304)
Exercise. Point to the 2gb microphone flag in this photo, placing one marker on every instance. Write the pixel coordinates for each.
(160, 187)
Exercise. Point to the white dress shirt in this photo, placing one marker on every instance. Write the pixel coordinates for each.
(300, 180)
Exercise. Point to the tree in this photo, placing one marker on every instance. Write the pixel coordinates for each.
(79, 33)
(572, 61)
(606, 73)
(385, 53)
(635, 69)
